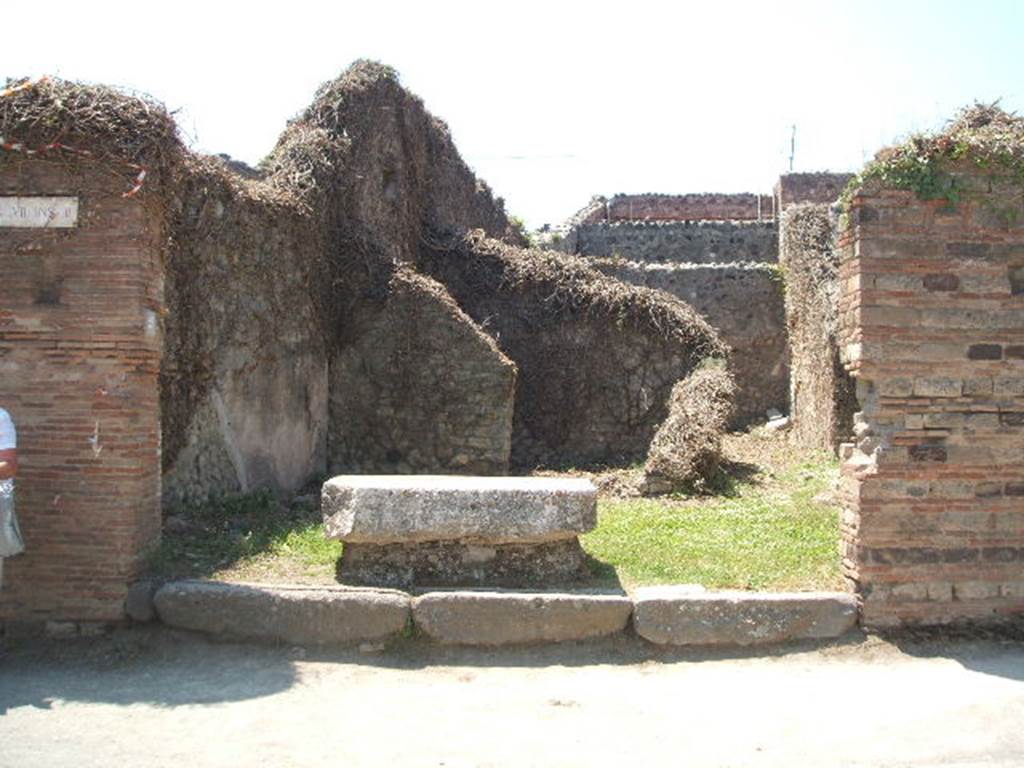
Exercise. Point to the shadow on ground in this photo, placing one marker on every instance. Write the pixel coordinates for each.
(985, 648)
(152, 665)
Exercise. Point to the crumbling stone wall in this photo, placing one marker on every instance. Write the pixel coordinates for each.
(822, 188)
(932, 312)
(822, 399)
(269, 279)
(244, 375)
(80, 342)
(724, 269)
(744, 303)
(421, 389)
(597, 358)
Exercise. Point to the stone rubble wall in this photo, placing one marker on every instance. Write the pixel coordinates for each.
(695, 242)
(421, 389)
(744, 303)
(244, 377)
(932, 327)
(597, 358)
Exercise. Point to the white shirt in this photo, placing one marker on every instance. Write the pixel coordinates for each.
(8, 436)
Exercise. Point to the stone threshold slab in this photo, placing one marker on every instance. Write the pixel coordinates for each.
(507, 618)
(683, 615)
(679, 615)
(389, 509)
(301, 615)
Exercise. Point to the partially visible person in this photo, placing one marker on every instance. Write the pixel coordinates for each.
(11, 542)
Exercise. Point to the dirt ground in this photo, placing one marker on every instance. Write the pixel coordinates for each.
(160, 698)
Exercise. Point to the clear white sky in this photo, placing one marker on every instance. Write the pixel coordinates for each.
(553, 102)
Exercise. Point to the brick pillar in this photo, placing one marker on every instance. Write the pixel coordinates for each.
(80, 346)
(932, 327)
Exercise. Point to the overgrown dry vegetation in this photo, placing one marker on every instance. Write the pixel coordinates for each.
(686, 449)
(983, 134)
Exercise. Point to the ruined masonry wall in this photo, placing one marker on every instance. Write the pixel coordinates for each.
(744, 302)
(932, 311)
(822, 400)
(80, 344)
(421, 389)
(244, 376)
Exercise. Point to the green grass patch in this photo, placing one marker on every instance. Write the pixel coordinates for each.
(757, 526)
(247, 537)
(765, 532)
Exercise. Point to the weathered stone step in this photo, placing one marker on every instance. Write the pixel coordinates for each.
(505, 618)
(302, 615)
(682, 615)
(408, 508)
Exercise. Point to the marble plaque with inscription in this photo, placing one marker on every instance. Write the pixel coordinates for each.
(39, 212)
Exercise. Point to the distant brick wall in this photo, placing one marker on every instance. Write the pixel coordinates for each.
(79, 359)
(932, 324)
(690, 207)
(823, 188)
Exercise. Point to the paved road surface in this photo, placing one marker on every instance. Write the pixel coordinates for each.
(160, 698)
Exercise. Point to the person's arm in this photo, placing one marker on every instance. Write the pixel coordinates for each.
(8, 463)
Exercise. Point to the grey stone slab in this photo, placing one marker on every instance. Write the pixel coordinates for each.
(504, 618)
(406, 508)
(302, 615)
(679, 616)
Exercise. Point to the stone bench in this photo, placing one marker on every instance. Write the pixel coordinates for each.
(448, 530)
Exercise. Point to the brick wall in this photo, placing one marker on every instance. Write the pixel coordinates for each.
(932, 327)
(79, 358)
(793, 188)
(689, 207)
